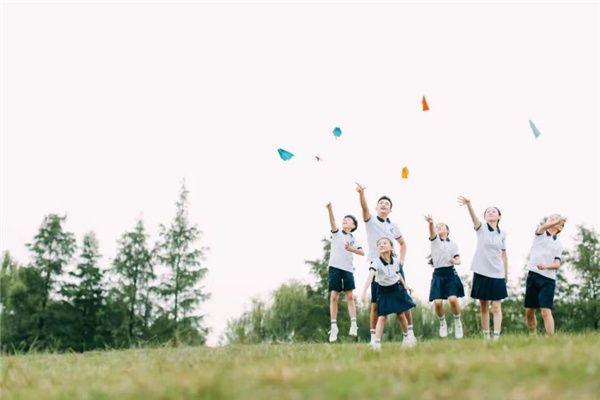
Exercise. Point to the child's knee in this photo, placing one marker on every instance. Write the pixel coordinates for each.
(546, 312)
(496, 307)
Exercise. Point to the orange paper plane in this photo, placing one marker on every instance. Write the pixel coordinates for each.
(404, 173)
(425, 106)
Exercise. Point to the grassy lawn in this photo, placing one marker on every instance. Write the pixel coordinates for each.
(516, 367)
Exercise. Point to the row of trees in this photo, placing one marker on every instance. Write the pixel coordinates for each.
(65, 300)
(300, 313)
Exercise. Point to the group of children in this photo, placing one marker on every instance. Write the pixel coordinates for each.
(391, 295)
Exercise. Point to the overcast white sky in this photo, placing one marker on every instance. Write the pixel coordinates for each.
(107, 106)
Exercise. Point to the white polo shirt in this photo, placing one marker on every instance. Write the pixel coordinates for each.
(487, 260)
(378, 228)
(385, 274)
(339, 257)
(442, 251)
(544, 250)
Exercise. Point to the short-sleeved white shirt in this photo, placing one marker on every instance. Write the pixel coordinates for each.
(487, 260)
(442, 251)
(378, 228)
(386, 274)
(339, 257)
(544, 250)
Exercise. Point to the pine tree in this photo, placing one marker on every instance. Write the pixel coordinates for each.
(134, 267)
(86, 295)
(181, 288)
(52, 249)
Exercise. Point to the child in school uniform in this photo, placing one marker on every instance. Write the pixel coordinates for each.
(490, 267)
(392, 294)
(544, 261)
(341, 270)
(378, 227)
(445, 282)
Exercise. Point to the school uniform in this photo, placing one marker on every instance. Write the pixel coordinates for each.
(487, 266)
(341, 268)
(445, 281)
(377, 228)
(392, 298)
(541, 284)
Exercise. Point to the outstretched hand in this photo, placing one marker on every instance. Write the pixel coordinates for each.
(429, 219)
(463, 201)
(328, 205)
(359, 187)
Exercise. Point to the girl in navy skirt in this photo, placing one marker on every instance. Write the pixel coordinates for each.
(392, 293)
(445, 283)
(490, 267)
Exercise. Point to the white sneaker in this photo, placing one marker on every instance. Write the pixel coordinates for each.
(458, 329)
(333, 333)
(376, 346)
(496, 337)
(412, 337)
(409, 342)
(443, 329)
(353, 330)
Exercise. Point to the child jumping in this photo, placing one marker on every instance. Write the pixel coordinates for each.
(341, 270)
(392, 294)
(445, 282)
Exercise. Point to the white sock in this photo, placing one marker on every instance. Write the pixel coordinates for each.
(410, 330)
(442, 320)
(333, 322)
(486, 334)
(377, 340)
(496, 333)
(372, 335)
(353, 321)
(457, 317)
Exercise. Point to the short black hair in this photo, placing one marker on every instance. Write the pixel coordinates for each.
(353, 219)
(385, 198)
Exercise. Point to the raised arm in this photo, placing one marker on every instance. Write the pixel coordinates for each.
(464, 201)
(431, 230)
(549, 224)
(363, 202)
(331, 217)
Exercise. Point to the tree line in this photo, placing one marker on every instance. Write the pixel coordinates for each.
(149, 294)
(297, 312)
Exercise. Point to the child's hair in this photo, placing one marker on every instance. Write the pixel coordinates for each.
(385, 198)
(499, 213)
(386, 238)
(353, 219)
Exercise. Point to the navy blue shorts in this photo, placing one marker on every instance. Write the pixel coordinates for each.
(393, 299)
(445, 282)
(486, 288)
(540, 291)
(340, 280)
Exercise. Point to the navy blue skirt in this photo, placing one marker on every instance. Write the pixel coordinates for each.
(445, 283)
(486, 288)
(393, 299)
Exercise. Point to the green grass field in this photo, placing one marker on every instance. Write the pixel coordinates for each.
(516, 367)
